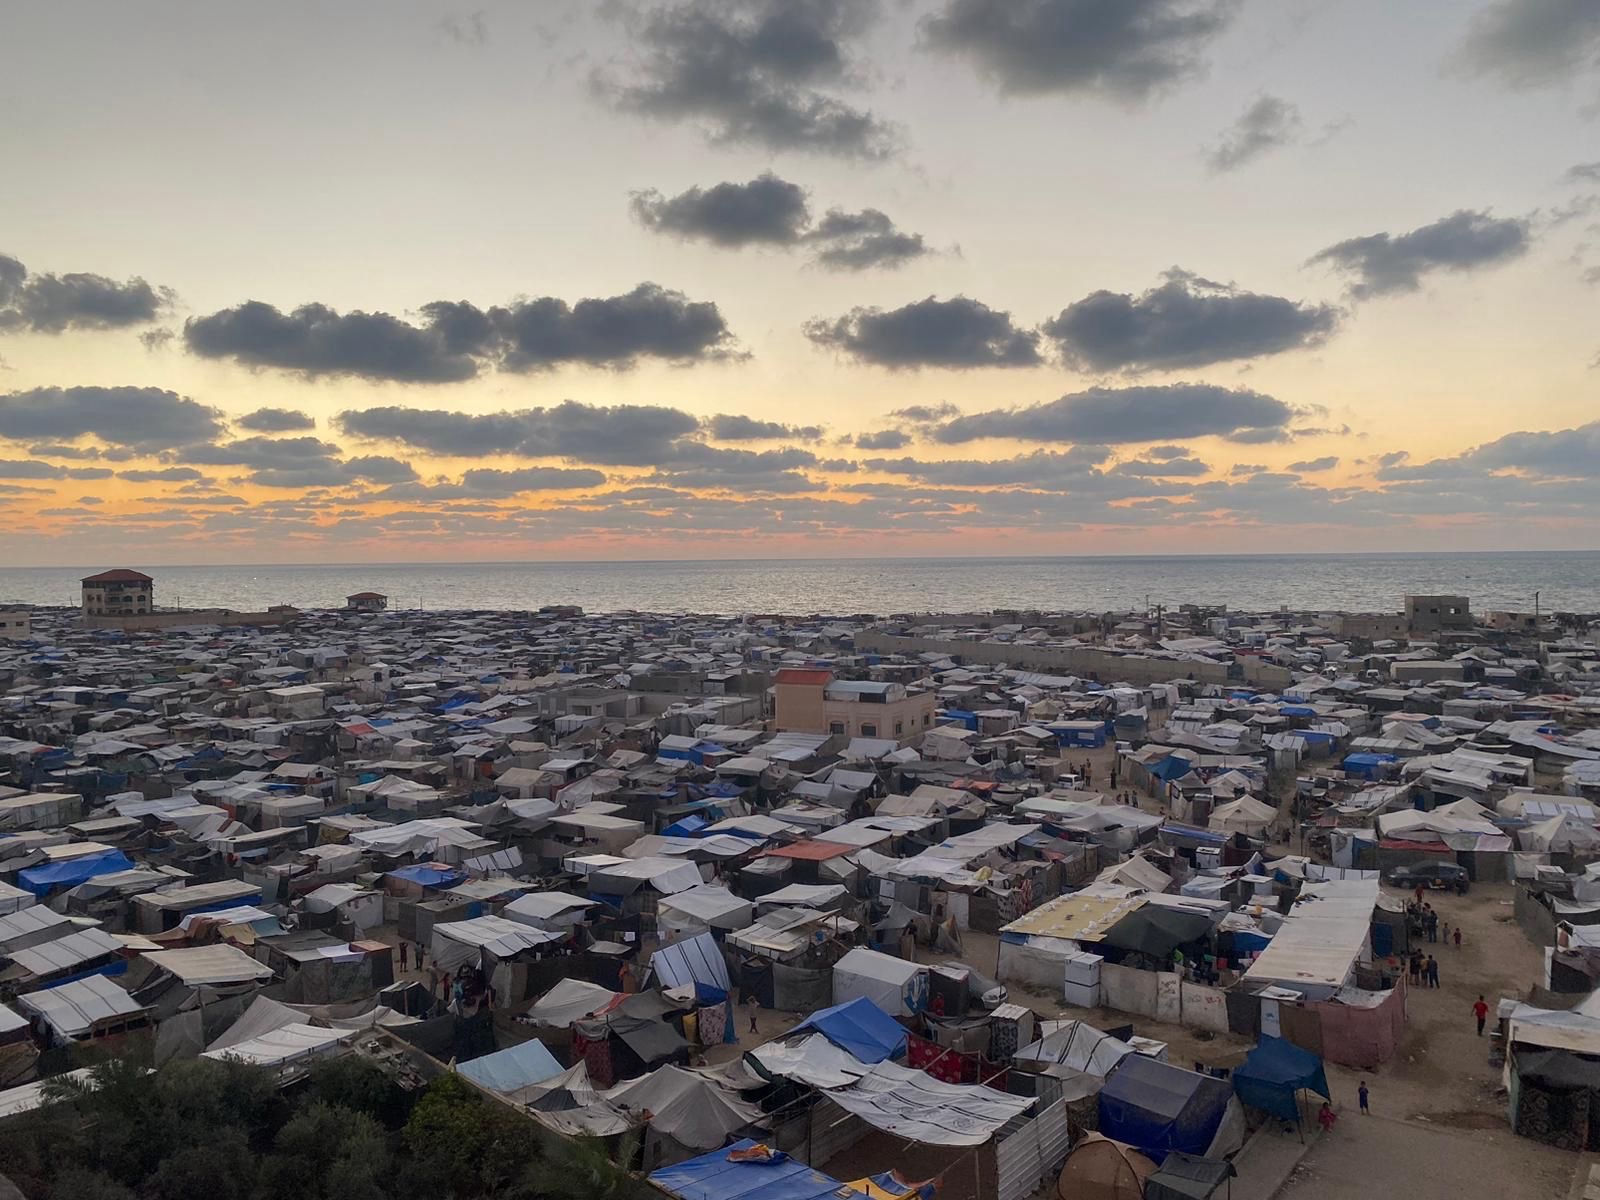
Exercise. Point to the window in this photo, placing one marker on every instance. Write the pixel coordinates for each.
(926, 720)
(899, 728)
(835, 726)
(868, 729)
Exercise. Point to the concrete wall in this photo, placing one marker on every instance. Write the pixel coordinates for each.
(1107, 665)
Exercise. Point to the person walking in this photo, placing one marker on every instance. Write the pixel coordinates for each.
(403, 948)
(1480, 1010)
(1432, 918)
(1433, 971)
(1458, 937)
(754, 1006)
(1362, 1093)
(1444, 932)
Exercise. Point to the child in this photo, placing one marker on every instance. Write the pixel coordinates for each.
(1362, 1093)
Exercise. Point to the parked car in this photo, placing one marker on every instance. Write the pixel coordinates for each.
(1435, 876)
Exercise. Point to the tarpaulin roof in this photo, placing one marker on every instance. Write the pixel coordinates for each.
(914, 1105)
(715, 1176)
(508, 1071)
(1273, 1072)
(282, 1046)
(697, 960)
(860, 1027)
(568, 1001)
(1078, 1046)
(1157, 931)
(1187, 1177)
(686, 1106)
(1157, 1107)
(72, 1008)
(430, 875)
(73, 871)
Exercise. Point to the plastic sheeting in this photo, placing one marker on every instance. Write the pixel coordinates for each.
(511, 1070)
(1155, 1107)
(696, 962)
(1077, 1046)
(283, 1046)
(570, 1000)
(47, 877)
(860, 1028)
(715, 1177)
(814, 1060)
(686, 1106)
(913, 1105)
(265, 1015)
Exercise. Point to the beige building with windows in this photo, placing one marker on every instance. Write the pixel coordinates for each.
(807, 700)
(118, 593)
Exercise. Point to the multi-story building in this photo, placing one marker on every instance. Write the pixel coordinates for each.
(813, 701)
(118, 593)
(16, 623)
(1436, 614)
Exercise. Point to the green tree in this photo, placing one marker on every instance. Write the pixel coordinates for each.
(326, 1152)
(464, 1147)
(359, 1084)
(583, 1168)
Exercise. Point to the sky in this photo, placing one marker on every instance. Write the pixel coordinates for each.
(600, 279)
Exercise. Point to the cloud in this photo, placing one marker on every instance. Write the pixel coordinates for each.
(1125, 49)
(885, 439)
(753, 72)
(32, 468)
(736, 427)
(926, 414)
(766, 211)
(455, 339)
(957, 333)
(1115, 416)
(489, 483)
(1185, 322)
(162, 475)
(695, 465)
(55, 303)
(622, 435)
(1464, 241)
(1269, 122)
(1582, 173)
(769, 211)
(1326, 463)
(464, 29)
(1161, 469)
(275, 420)
(1531, 43)
(133, 417)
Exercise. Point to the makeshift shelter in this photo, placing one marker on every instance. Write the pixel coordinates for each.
(745, 1171)
(1187, 1177)
(512, 1071)
(1158, 931)
(703, 909)
(1102, 1169)
(287, 1049)
(685, 1107)
(1245, 815)
(859, 1027)
(1158, 1107)
(1078, 1047)
(628, 1039)
(58, 876)
(898, 987)
(912, 1104)
(1273, 1075)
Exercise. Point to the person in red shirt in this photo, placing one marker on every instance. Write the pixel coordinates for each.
(1481, 1011)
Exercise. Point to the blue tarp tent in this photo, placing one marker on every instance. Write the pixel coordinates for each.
(689, 826)
(1172, 767)
(49, 877)
(859, 1027)
(509, 1070)
(430, 876)
(1155, 1107)
(1367, 766)
(1273, 1072)
(698, 961)
(713, 1177)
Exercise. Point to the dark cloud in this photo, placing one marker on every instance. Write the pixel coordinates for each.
(328, 472)
(258, 452)
(1326, 463)
(623, 435)
(754, 72)
(698, 466)
(766, 211)
(1584, 173)
(769, 211)
(131, 417)
(276, 420)
(1113, 416)
(156, 339)
(1126, 49)
(884, 439)
(489, 483)
(862, 240)
(32, 468)
(1268, 123)
(65, 450)
(55, 303)
(926, 414)
(1165, 452)
(455, 340)
(1246, 468)
(1381, 263)
(736, 427)
(1185, 322)
(1166, 468)
(1532, 43)
(956, 333)
(161, 475)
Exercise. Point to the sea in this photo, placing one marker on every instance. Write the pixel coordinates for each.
(1567, 581)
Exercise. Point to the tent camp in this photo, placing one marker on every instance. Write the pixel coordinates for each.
(513, 1070)
(1077, 1046)
(701, 910)
(687, 1107)
(1273, 1075)
(898, 987)
(1101, 1169)
(1157, 1107)
(694, 962)
(1245, 815)
(1187, 1177)
(1157, 931)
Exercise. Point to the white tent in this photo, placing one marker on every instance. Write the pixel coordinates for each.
(548, 910)
(898, 987)
(570, 1000)
(700, 910)
(1565, 834)
(285, 1046)
(1245, 815)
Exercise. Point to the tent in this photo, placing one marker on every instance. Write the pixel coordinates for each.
(1245, 815)
(695, 961)
(859, 1027)
(700, 910)
(569, 1001)
(1157, 931)
(1186, 1177)
(49, 877)
(898, 987)
(1274, 1073)
(686, 1107)
(511, 1070)
(762, 1175)
(1078, 1047)
(1101, 1169)
(1157, 1107)
(913, 1105)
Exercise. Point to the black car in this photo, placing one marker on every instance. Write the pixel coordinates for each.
(1436, 876)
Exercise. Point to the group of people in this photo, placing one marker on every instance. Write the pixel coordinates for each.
(1424, 919)
(1424, 971)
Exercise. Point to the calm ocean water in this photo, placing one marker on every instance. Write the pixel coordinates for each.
(1568, 581)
